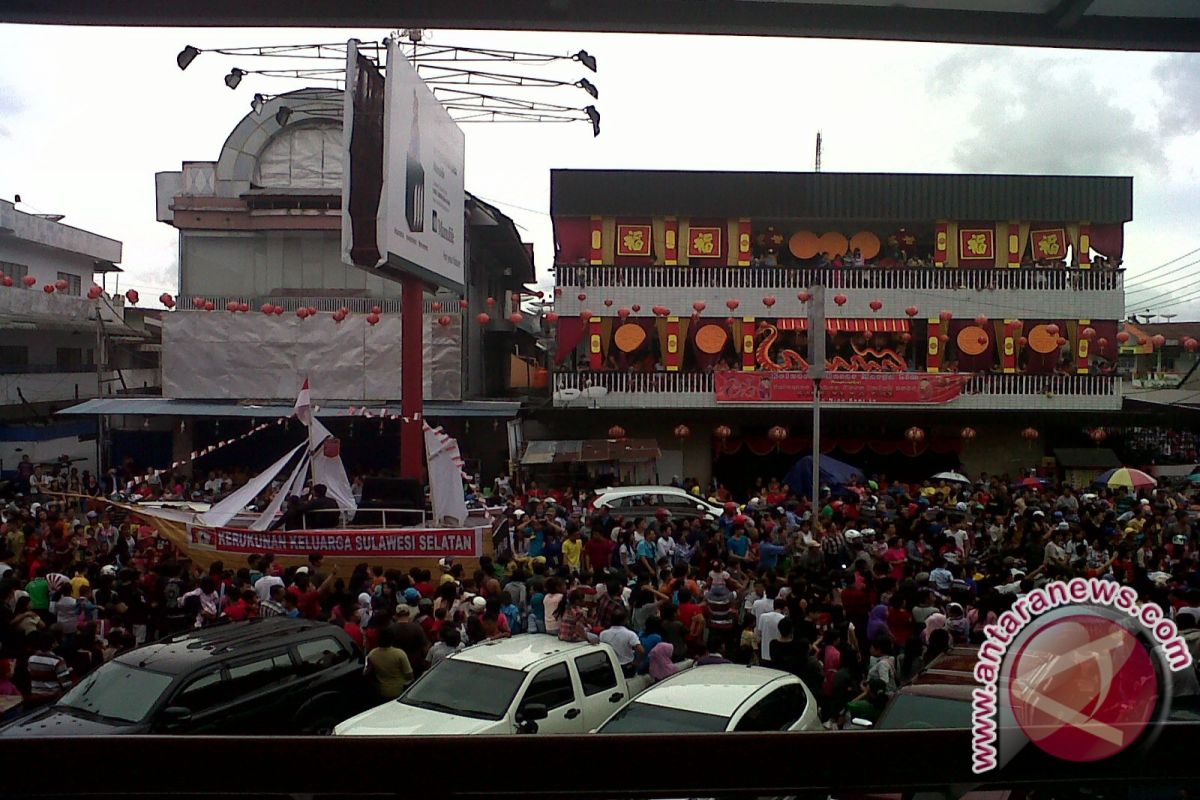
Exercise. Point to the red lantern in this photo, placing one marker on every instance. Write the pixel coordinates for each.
(233, 307)
(729, 321)
(1159, 340)
(482, 318)
(906, 337)
(376, 310)
(945, 316)
(464, 303)
(698, 306)
(608, 302)
(516, 297)
(912, 311)
(914, 434)
(1022, 341)
(695, 316)
(244, 307)
(61, 284)
(840, 299)
(722, 432)
(585, 313)
(769, 300)
(981, 320)
(636, 308)
(967, 433)
(1122, 337)
(435, 306)
(198, 303)
(338, 316)
(552, 317)
(944, 338)
(209, 305)
(1061, 342)
(312, 311)
(1103, 343)
(623, 313)
(1052, 329)
(345, 311)
(1088, 333)
(302, 312)
(132, 296)
(48, 288)
(515, 318)
(444, 320)
(7, 281)
(267, 308)
(804, 297)
(29, 280)
(982, 339)
(168, 301)
(581, 297)
(373, 319)
(94, 293)
(732, 304)
(1191, 344)
(491, 301)
(1029, 434)
(682, 431)
(875, 305)
(1098, 435)
(558, 291)
(278, 311)
(777, 434)
(331, 447)
(616, 432)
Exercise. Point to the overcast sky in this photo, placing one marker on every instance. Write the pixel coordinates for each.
(88, 115)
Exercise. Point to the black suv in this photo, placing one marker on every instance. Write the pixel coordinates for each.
(268, 676)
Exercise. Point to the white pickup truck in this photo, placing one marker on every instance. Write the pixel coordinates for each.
(522, 684)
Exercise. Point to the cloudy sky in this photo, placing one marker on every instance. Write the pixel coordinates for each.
(88, 115)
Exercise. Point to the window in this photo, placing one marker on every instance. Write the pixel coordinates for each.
(305, 156)
(14, 270)
(777, 711)
(202, 694)
(69, 358)
(646, 718)
(13, 357)
(118, 691)
(595, 673)
(265, 672)
(465, 688)
(320, 654)
(74, 283)
(551, 687)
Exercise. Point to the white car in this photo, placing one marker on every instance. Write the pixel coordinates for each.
(532, 682)
(644, 501)
(719, 697)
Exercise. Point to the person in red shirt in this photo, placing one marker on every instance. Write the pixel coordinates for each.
(691, 614)
(599, 550)
(245, 608)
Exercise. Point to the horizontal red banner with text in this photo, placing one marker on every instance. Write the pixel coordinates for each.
(461, 542)
(797, 387)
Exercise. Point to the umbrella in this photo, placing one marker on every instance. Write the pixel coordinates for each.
(1194, 477)
(1126, 476)
(1030, 482)
(951, 477)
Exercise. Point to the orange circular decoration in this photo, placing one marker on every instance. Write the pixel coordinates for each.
(711, 339)
(866, 242)
(629, 337)
(833, 243)
(973, 340)
(804, 244)
(1042, 340)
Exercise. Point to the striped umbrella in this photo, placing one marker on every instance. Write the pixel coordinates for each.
(1127, 477)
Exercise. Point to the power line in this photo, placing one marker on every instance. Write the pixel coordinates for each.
(1148, 273)
(1164, 280)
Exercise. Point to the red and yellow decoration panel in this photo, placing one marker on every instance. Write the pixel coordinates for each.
(633, 240)
(704, 241)
(977, 245)
(842, 387)
(1049, 244)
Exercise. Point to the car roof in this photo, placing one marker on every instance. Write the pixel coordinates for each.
(183, 652)
(522, 652)
(951, 675)
(642, 490)
(713, 688)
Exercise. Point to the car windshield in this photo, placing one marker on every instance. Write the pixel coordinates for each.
(914, 711)
(647, 718)
(463, 687)
(118, 692)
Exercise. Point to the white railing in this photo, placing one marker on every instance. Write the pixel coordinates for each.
(1033, 279)
(324, 305)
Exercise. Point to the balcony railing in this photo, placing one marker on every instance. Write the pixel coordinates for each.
(984, 391)
(1032, 279)
(326, 305)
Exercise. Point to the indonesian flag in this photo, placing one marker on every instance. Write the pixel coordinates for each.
(303, 409)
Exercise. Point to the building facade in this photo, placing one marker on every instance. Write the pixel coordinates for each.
(968, 307)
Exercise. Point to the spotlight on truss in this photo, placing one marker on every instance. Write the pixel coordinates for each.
(234, 77)
(258, 103)
(589, 87)
(594, 116)
(586, 58)
(283, 115)
(186, 56)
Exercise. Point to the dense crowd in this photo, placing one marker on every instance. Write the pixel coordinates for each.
(854, 596)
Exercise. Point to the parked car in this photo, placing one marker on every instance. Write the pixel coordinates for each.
(268, 676)
(719, 697)
(938, 697)
(528, 683)
(644, 501)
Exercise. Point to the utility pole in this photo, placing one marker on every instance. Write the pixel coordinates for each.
(816, 371)
(98, 357)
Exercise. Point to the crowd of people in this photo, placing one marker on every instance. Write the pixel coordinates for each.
(854, 595)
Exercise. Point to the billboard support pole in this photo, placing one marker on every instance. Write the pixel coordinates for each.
(412, 371)
(816, 371)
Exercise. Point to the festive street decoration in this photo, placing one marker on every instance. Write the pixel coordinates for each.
(876, 305)
(967, 433)
(722, 432)
(840, 299)
(777, 433)
(682, 431)
(482, 318)
(616, 432)
(1029, 434)
(914, 434)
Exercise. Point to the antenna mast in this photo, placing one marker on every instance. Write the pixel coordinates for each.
(817, 159)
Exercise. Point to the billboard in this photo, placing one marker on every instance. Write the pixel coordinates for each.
(419, 202)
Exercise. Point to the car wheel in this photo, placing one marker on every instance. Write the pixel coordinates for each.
(320, 724)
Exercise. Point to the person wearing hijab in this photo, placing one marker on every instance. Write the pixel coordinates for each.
(957, 624)
(877, 625)
(661, 665)
(364, 609)
(936, 621)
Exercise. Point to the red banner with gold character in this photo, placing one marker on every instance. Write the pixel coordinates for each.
(1049, 244)
(797, 387)
(704, 242)
(976, 244)
(633, 240)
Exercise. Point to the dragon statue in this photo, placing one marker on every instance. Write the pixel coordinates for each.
(865, 359)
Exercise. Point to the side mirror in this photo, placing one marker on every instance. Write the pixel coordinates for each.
(859, 722)
(174, 715)
(532, 712)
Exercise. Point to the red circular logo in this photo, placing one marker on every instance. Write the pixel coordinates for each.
(1082, 688)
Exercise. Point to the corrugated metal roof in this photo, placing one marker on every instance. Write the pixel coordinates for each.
(899, 197)
(160, 407)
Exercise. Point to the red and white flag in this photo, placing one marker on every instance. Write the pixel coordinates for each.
(303, 409)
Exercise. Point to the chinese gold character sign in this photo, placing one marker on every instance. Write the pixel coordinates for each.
(704, 242)
(1049, 244)
(976, 244)
(633, 240)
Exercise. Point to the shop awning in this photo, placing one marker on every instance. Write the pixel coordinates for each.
(166, 407)
(565, 451)
(849, 325)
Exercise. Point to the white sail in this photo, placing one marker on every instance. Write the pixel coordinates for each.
(225, 510)
(329, 470)
(291, 486)
(445, 477)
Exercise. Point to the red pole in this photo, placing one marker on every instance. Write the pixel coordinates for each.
(412, 368)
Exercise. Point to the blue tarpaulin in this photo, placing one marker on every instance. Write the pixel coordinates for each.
(834, 474)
